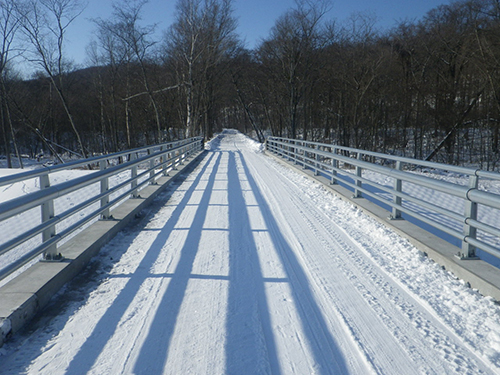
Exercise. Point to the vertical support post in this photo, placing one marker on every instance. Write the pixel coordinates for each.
(182, 155)
(318, 159)
(47, 212)
(105, 215)
(174, 162)
(304, 154)
(398, 188)
(290, 151)
(164, 160)
(133, 175)
(151, 169)
(335, 166)
(359, 173)
(469, 251)
(296, 156)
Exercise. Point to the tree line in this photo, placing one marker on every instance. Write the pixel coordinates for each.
(427, 88)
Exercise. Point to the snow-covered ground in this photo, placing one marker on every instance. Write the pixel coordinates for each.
(247, 267)
(19, 224)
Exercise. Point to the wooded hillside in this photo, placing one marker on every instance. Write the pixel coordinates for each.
(427, 88)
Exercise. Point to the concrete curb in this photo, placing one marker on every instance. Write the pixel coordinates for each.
(480, 275)
(27, 294)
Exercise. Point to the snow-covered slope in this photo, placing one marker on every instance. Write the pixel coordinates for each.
(250, 268)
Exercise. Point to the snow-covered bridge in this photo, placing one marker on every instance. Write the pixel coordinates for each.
(247, 267)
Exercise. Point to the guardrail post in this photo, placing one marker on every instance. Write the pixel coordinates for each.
(296, 156)
(105, 215)
(173, 156)
(335, 165)
(469, 251)
(164, 160)
(182, 156)
(318, 159)
(304, 155)
(151, 168)
(398, 188)
(133, 176)
(359, 172)
(48, 213)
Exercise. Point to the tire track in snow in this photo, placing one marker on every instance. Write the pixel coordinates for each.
(442, 295)
(333, 359)
(372, 285)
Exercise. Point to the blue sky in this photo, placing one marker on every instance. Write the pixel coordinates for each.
(255, 17)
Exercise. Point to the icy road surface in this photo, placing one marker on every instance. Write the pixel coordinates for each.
(249, 268)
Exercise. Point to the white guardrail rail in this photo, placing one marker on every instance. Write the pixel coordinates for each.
(37, 222)
(349, 167)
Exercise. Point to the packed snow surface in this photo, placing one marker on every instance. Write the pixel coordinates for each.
(247, 267)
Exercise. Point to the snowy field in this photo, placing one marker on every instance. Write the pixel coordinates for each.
(247, 267)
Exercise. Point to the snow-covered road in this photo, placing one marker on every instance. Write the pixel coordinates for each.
(250, 268)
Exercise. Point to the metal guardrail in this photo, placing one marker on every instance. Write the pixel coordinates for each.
(334, 162)
(143, 166)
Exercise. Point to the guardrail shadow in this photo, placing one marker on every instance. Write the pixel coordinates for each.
(105, 328)
(248, 347)
(154, 351)
(327, 354)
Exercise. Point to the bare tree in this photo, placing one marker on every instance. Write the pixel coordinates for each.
(197, 44)
(289, 54)
(9, 25)
(137, 39)
(113, 52)
(45, 23)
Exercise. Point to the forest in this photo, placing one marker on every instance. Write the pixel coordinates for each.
(427, 88)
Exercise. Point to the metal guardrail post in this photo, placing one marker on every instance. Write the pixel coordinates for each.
(174, 162)
(296, 156)
(289, 151)
(152, 168)
(105, 215)
(48, 213)
(469, 251)
(398, 188)
(165, 159)
(304, 155)
(318, 159)
(133, 175)
(335, 164)
(359, 172)
(163, 162)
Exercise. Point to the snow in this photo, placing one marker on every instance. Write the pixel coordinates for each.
(27, 220)
(5, 327)
(247, 267)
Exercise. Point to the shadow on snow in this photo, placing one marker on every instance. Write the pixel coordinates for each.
(250, 341)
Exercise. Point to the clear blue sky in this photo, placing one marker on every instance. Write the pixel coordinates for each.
(255, 17)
